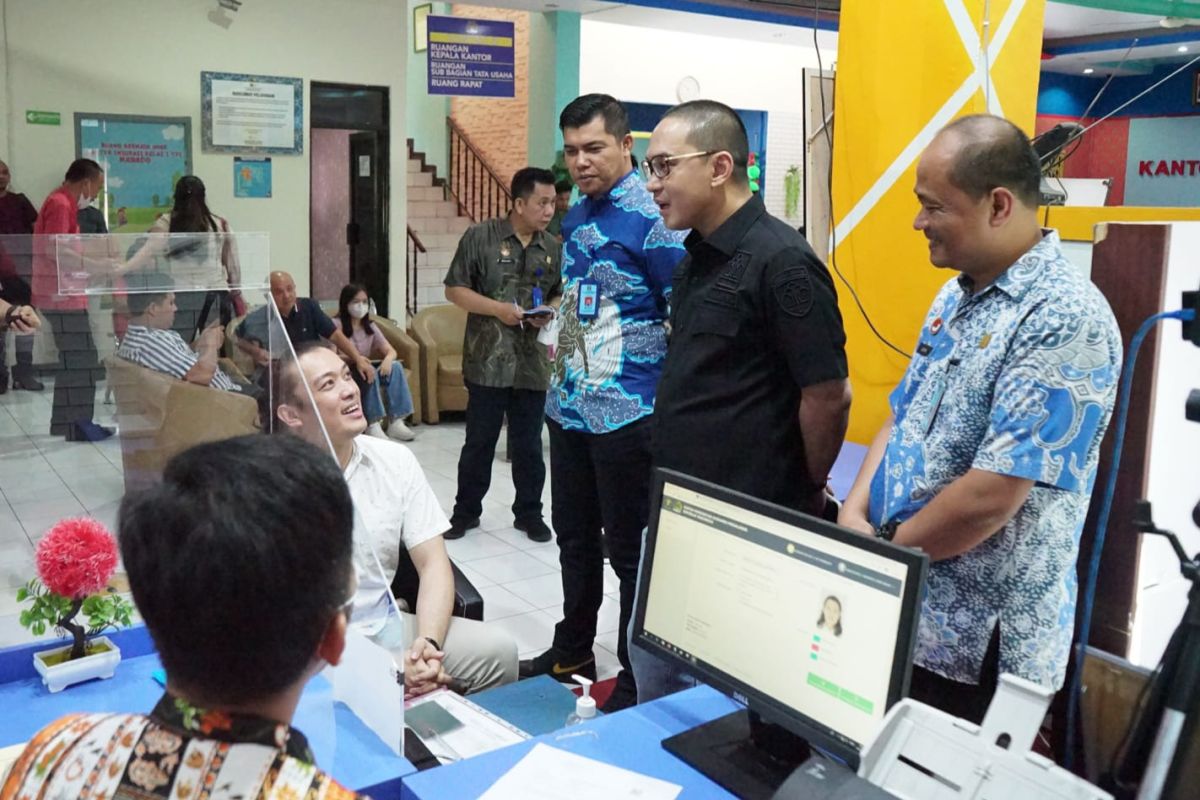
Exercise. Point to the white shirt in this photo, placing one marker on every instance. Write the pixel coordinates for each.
(393, 505)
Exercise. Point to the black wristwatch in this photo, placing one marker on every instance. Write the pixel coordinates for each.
(887, 531)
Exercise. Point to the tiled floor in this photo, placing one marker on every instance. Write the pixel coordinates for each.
(44, 478)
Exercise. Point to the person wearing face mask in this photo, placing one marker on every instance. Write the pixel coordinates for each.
(353, 305)
(65, 306)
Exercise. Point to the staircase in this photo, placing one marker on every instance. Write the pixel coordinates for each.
(438, 226)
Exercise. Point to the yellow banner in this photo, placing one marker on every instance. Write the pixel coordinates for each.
(466, 38)
(904, 71)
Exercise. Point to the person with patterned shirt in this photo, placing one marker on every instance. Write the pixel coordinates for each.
(989, 459)
(240, 563)
(150, 340)
(504, 269)
(618, 258)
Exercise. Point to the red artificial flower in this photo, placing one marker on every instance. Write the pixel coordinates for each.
(76, 558)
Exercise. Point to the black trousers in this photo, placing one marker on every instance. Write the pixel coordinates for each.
(965, 700)
(75, 376)
(598, 481)
(486, 409)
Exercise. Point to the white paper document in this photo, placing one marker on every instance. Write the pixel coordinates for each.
(548, 773)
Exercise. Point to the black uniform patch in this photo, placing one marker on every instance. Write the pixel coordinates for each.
(793, 292)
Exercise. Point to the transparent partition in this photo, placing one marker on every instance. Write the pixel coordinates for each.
(147, 345)
(310, 394)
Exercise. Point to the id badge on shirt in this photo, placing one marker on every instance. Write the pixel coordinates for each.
(589, 300)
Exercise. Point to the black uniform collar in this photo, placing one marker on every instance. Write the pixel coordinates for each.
(726, 238)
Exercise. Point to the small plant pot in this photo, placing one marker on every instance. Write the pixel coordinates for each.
(57, 673)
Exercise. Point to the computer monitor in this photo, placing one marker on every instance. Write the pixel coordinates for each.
(810, 625)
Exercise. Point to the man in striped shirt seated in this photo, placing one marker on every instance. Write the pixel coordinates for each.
(150, 342)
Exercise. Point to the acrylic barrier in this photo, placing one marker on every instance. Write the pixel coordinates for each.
(135, 360)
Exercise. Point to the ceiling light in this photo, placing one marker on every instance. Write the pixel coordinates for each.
(1183, 48)
(1088, 71)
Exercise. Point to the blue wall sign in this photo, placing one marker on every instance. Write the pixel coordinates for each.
(473, 57)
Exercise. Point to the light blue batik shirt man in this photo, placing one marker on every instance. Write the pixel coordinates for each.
(1019, 380)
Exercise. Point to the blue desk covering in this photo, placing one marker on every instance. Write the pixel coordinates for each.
(631, 739)
(343, 746)
(535, 705)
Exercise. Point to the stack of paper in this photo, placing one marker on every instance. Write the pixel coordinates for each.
(548, 773)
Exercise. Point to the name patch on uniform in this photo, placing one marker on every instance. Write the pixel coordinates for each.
(793, 292)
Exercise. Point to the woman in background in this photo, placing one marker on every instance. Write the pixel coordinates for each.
(205, 262)
(353, 305)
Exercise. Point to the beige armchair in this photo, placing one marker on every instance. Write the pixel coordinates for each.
(160, 416)
(440, 330)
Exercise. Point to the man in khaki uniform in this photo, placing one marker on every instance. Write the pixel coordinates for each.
(506, 275)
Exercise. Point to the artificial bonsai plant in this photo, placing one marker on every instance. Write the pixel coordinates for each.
(75, 560)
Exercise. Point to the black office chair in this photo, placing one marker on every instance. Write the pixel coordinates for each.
(468, 603)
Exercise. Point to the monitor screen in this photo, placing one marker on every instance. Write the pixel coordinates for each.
(811, 624)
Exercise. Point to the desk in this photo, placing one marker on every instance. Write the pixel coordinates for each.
(631, 739)
(344, 747)
(535, 705)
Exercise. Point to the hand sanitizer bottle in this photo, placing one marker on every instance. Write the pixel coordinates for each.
(585, 706)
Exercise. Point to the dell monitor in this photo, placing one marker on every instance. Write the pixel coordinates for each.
(809, 625)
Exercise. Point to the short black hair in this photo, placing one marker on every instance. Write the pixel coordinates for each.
(238, 561)
(525, 180)
(564, 185)
(281, 384)
(83, 169)
(994, 153)
(584, 109)
(713, 127)
(145, 289)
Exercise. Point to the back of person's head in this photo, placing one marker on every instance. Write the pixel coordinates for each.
(525, 180)
(584, 109)
(715, 127)
(239, 561)
(564, 186)
(189, 213)
(145, 289)
(993, 153)
(83, 169)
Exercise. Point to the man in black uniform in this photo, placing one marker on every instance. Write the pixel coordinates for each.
(504, 269)
(754, 394)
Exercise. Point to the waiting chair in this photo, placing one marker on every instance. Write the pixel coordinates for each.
(159, 416)
(440, 330)
(468, 603)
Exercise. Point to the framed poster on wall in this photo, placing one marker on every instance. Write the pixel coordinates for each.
(252, 114)
(142, 157)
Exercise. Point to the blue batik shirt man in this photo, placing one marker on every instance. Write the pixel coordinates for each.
(618, 257)
(617, 263)
(989, 459)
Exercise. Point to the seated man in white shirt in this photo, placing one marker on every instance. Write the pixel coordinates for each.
(150, 342)
(394, 505)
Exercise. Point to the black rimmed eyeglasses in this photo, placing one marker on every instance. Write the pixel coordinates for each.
(660, 166)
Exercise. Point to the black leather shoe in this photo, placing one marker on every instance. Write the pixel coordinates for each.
(561, 669)
(534, 528)
(459, 528)
(4, 385)
(29, 384)
(624, 693)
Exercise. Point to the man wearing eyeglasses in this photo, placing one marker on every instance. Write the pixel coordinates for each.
(754, 394)
(617, 262)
